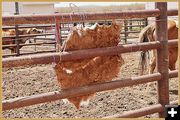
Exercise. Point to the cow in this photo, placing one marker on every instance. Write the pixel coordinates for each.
(10, 41)
(148, 35)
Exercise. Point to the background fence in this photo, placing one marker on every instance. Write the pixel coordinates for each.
(130, 30)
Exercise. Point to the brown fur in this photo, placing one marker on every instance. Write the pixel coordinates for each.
(89, 71)
(148, 34)
(10, 41)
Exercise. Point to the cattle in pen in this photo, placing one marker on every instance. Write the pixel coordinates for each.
(9, 37)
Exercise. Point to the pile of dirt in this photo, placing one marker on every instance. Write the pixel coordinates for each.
(87, 71)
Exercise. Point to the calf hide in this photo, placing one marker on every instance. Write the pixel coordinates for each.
(89, 71)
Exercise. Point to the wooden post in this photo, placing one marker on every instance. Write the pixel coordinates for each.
(162, 56)
(16, 29)
(57, 27)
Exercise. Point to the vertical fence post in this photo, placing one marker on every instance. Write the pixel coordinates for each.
(60, 31)
(125, 30)
(57, 36)
(145, 22)
(16, 30)
(162, 56)
(130, 23)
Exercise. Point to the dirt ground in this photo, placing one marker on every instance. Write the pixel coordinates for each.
(26, 81)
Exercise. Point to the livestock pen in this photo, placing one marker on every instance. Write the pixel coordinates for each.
(130, 29)
(162, 77)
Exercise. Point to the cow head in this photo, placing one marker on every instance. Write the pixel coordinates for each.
(34, 31)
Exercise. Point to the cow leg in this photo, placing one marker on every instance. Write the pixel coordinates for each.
(173, 55)
(152, 63)
(152, 66)
(172, 66)
(13, 50)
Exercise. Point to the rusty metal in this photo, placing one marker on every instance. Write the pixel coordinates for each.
(139, 112)
(30, 35)
(16, 30)
(50, 19)
(74, 55)
(80, 54)
(78, 91)
(32, 26)
(126, 32)
(17, 41)
(28, 53)
(50, 39)
(40, 43)
(11, 45)
(162, 56)
(57, 35)
(142, 111)
(73, 92)
(173, 74)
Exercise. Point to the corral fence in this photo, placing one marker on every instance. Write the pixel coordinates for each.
(130, 29)
(162, 76)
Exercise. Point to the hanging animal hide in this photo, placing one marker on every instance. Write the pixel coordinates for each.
(89, 71)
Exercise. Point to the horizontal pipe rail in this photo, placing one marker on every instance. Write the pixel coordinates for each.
(29, 53)
(80, 54)
(32, 26)
(141, 25)
(79, 91)
(28, 44)
(142, 112)
(49, 19)
(37, 52)
(130, 32)
(64, 35)
(173, 74)
(10, 45)
(66, 17)
(51, 39)
(8, 55)
(30, 35)
(52, 25)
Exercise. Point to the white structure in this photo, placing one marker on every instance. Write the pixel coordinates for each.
(8, 8)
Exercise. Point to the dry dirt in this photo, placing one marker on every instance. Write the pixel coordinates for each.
(26, 81)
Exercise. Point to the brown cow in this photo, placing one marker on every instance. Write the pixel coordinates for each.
(148, 35)
(10, 41)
